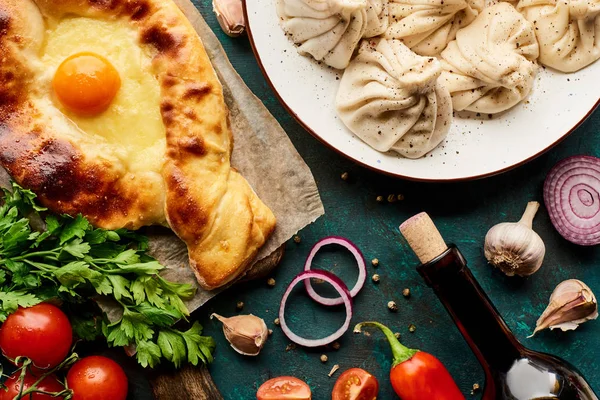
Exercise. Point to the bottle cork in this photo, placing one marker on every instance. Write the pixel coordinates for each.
(423, 237)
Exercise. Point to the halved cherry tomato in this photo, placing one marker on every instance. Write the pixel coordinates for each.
(42, 333)
(284, 388)
(355, 384)
(97, 378)
(13, 385)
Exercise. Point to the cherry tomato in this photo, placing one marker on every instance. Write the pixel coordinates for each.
(355, 384)
(49, 384)
(97, 378)
(282, 388)
(42, 333)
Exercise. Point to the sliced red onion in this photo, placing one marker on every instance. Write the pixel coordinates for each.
(339, 286)
(572, 197)
(360, 261)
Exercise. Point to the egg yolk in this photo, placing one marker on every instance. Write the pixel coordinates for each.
(86, 83)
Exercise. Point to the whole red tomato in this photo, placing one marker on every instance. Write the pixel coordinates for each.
(49, 384)
(42, 333)
(97, 378)
(355, 384)
(282, 388)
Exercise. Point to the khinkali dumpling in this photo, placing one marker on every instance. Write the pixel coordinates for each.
(426, 26)
(328, 30)
(568, 31)
(377, 18)
(491, 65)
(390, 98)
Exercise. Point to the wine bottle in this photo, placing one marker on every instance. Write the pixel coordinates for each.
(512, 371)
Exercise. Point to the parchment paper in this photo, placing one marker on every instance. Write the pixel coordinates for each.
(262, 153)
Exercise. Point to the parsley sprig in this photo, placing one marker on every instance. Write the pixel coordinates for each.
(71, 261)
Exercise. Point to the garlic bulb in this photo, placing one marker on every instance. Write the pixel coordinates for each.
(247, 334)
(514, 247)
(230, 16)
(571, 303)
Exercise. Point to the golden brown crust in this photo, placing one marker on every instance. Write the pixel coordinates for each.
(208, 204)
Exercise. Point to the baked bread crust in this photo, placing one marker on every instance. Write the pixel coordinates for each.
(210, 206)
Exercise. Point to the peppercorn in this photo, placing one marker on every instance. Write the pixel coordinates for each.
(406, 293)
(375, 278)
(271, 282)
(324, 358)
(392, 306)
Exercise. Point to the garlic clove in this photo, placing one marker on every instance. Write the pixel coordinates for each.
(230, 16)
(246, 334)
(514, 247)
(572, 303)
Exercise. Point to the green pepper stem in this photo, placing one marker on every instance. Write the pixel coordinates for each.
(400, 352)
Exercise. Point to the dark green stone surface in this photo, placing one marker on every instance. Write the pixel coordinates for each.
(464, 212)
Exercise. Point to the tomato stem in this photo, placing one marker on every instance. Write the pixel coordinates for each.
(34, 387)
(400, 352)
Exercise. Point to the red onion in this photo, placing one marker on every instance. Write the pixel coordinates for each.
(360, 261)
(339, 286)
(572, 197)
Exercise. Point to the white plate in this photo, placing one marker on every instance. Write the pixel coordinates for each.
(476, 146)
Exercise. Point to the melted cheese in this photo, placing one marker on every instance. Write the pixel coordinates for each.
(132, 125)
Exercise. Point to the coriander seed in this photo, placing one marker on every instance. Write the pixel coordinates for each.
(345, 176)
(400, 197)
(375, 278)
(324, 358)
(271, 282)
(397, 335)
(239, 305)
(375, 262)
(297, 239)
(406, 292)
(276, 321)
(391, 198)
(336, 345)
(412, 328)
(270, 332)
(379, 199)
(392, 306)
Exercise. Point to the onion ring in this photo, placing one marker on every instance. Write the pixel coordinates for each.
(360, 261)
(339, 286)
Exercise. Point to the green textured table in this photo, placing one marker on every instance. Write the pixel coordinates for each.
(464, 212)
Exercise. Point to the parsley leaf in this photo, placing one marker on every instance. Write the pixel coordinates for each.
(172, 346)
(10, 301)
(74, 227)
(148, 353)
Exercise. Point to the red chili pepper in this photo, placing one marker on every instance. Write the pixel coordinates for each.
(416, 375)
